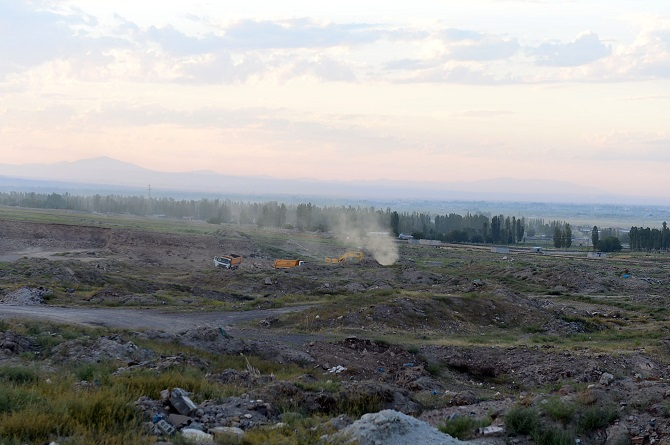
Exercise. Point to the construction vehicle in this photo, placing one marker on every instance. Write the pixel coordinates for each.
(230, 261)
(287, 264)
(345, 256)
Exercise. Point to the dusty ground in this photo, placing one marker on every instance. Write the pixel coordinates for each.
(410, 329)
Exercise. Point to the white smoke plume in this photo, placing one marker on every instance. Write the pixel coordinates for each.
(365, 232)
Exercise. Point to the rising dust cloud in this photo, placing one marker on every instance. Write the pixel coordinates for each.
(367, 233)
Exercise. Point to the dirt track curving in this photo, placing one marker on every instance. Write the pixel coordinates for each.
(139, 319)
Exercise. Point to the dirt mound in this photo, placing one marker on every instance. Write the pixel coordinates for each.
(217, 340)
(14, 344)
(17, 236)
(361, 359)
(529, 367)
(307, 395)
(27, 296)
(103, 349)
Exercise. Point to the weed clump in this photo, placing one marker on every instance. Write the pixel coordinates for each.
(552, 436)
(522, 420)
(572, 418)
(559, 410)
(17, 375)
(595, 417)
(462, 427)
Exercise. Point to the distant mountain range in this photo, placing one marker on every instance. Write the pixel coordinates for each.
(107, 175)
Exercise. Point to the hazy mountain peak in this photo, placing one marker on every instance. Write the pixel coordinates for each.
(106, 171)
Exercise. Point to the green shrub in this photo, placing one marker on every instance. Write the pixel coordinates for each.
(298, 430)
(434, 369)
(559, 410)
(16, 398)
(521, 420)
(96, 372)
(413, 349)
(595, 417)
(462, 427)
(552, 436)
(17, 375)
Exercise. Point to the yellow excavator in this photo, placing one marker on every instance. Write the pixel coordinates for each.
(346, 256)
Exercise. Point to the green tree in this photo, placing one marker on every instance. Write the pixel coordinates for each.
(567, 236)
(395, 223)
(594, 237)
(609, 244)
(558, 236)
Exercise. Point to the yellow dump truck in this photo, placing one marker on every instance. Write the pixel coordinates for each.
(230, 261)
(287, 264)
(345, 256)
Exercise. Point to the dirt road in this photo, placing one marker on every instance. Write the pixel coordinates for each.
(139, 318)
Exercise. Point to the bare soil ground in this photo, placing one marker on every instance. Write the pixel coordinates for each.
(443, 332)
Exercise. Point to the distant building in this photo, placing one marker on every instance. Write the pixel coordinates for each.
(536, 249)
(405, 237)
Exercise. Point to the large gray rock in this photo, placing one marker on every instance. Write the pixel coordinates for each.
(390, 427)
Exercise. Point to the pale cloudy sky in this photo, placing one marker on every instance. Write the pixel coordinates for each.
(423, 90)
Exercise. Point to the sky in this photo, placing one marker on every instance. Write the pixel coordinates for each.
(442, 91)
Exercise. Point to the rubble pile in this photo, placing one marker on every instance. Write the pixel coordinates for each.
(27, 296)
(175, 411)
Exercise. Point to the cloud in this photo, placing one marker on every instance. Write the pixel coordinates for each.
(180, 44)
(486, 114)
(253, 35)
(297, 33)
(29, 36)
(585, 49)
(459, 73)
(248, 50)
(631, 146)
(471, 45)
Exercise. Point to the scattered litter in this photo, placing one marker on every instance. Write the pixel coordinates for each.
(181, 402)
(165, 427)
(491, 430)
(337, 369)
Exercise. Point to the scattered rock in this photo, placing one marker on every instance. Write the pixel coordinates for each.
(197, 436)
(606, 378)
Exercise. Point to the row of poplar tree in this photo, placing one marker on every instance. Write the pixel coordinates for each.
(451, 227)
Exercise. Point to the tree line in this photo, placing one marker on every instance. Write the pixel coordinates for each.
(647, 240)
(476, 228)
(451, 227)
